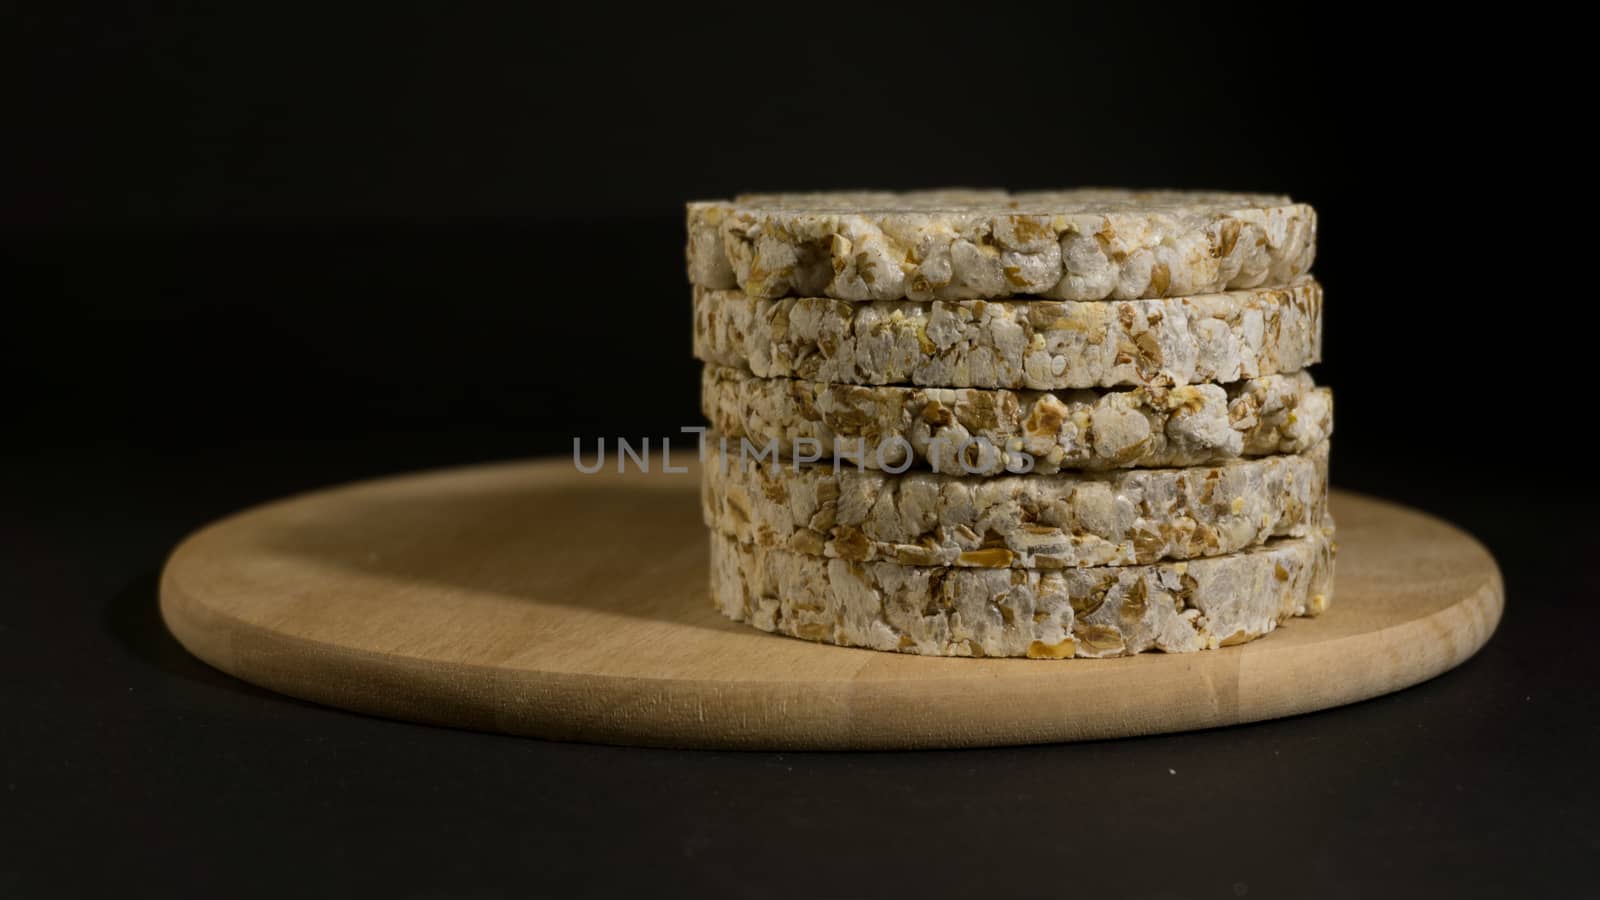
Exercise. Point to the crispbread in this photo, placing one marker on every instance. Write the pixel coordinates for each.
(1088, 244)
(990, 432)
(1052, 613)
(1125, 517)
(1046, 345)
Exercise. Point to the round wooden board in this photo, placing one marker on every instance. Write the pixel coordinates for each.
(531, 599)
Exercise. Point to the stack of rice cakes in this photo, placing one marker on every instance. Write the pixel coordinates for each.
(1050, 425)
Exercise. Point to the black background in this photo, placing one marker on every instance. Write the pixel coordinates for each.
(253, 252)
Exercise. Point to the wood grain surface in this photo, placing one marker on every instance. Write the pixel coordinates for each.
(531, 599)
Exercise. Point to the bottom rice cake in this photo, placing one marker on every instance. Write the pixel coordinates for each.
(1042, 613)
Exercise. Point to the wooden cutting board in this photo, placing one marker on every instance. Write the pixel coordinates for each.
(531, 599)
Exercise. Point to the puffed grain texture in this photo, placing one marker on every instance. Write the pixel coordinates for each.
(1124, 517)
(1087, 244)
(1175, 607)
(1045, 345)
(978, 431)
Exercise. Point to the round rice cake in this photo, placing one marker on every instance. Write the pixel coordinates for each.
(1087, 244)
(1123, 517)
(978, 431)
(1174, 607)
(1044, 345)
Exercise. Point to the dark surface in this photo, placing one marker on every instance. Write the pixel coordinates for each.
(249, 255)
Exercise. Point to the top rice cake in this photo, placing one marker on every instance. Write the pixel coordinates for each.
(1086, 244)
